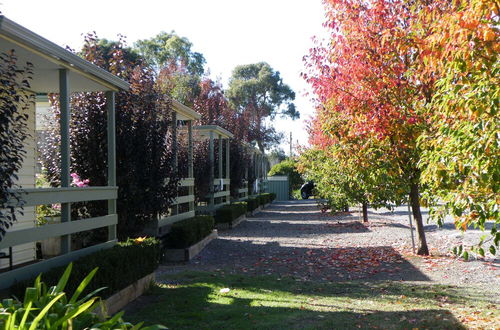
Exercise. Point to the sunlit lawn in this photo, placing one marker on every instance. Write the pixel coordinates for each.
(195, 301)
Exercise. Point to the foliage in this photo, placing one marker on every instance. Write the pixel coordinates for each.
(417, 81)
(119, 267)
(179, 69)
(242, 205)
(167, 49)
(252, 203)
(265, 198)
(258, 92)
(276, 156)
(46, 307)
(341, 184)
(143, 141)
(228, 213)
(288, 167)
(461, 163)
(13, 132)
(47, 213)
(215, 110)
(369, 101)
(190, 231)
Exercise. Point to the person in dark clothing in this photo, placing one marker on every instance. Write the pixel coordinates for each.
(306, 189)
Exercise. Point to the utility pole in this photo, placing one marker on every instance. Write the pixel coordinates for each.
(291, 145)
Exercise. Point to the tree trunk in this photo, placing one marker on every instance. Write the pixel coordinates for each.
(365, 212)
(415, 206)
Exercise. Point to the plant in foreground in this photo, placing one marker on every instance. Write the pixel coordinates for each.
(51, 308)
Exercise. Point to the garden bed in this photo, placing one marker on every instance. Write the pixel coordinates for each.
(254, 212)
(186, 254)
(232, 224)
(119, 300)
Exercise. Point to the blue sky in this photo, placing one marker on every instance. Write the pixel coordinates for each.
(227, 32)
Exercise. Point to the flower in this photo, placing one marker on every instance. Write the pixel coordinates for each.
(77, 182)
(139, 240)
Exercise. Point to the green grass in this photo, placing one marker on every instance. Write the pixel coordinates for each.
(193, 301)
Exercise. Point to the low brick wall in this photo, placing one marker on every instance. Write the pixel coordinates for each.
(119, 300)
(176, 255)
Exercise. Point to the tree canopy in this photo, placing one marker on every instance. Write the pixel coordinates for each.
(168, 49)
(179, 69)
(258, 92)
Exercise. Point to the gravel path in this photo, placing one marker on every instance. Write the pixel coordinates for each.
(295, 239)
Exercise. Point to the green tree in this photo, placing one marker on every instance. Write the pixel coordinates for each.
(167, 49)
(461, 160)
(258, 92)
(288, 167)
(178, 67)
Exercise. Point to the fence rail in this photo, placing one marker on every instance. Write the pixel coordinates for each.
(44, 196)
(41, 196)
(161, 226)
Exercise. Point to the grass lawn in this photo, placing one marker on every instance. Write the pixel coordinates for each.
(196, 300)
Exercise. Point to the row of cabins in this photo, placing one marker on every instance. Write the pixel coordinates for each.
(56, 70)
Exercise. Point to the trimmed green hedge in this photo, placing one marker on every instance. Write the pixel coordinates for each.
(265, 198)
(252, 203)
(119, 267)
(242, 205)
(187, 232)
(228, 213)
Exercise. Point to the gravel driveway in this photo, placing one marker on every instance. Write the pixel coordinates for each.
(295, 239)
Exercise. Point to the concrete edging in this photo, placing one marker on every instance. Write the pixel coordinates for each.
(189, 253)
(232, 224)
(119, 300)
(254, 212)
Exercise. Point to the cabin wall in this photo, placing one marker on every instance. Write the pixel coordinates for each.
(26, 252)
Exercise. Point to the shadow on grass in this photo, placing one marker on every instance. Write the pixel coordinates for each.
(194, 301)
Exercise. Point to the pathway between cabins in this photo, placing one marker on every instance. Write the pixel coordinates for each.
(296, 239)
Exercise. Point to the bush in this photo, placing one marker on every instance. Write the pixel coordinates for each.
(242, 205)
(288, 167)
(187, 232)
(266, 198)
(252, 203)
(118, 266)
(47, 307)
(14, 103)
(228, 213)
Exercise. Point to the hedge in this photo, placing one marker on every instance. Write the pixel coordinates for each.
(265, 198)
(119, 267)
(228, 213)
(187, 232)
(242, 205)
(252, 203)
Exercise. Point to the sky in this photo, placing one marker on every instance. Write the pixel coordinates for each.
(227, 32)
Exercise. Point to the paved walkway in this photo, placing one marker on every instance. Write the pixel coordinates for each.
(296, 239)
